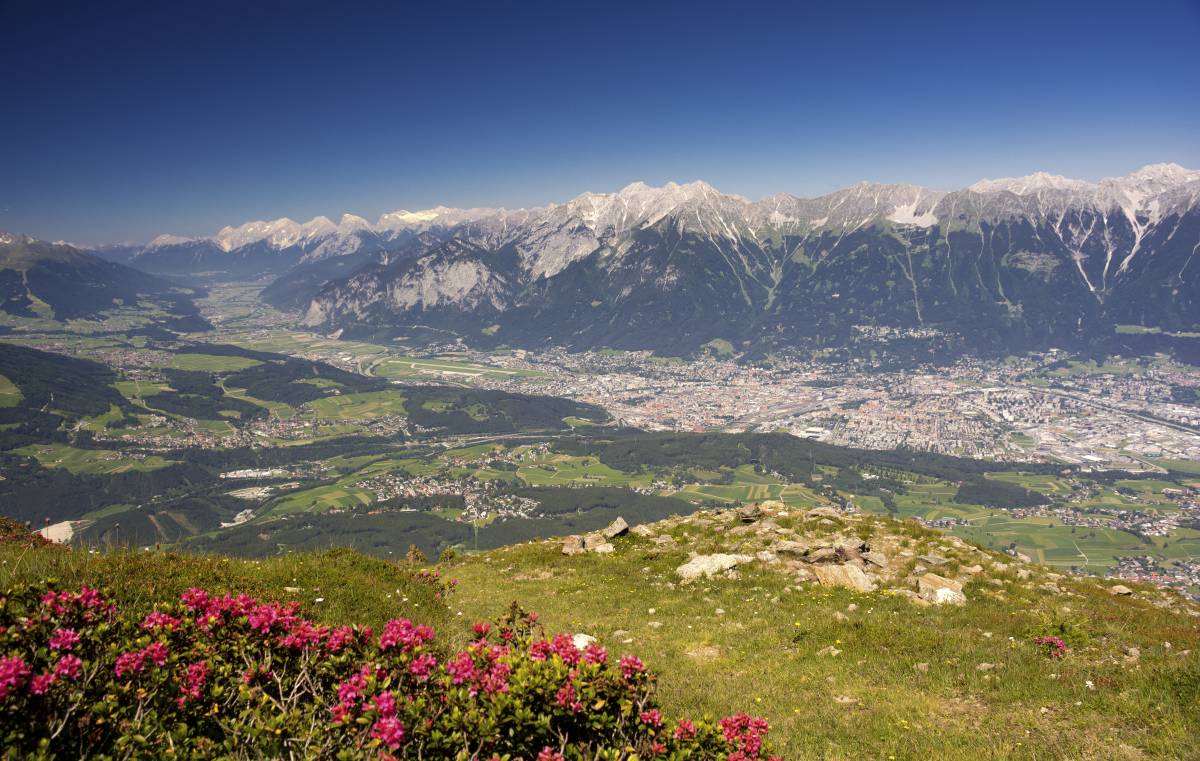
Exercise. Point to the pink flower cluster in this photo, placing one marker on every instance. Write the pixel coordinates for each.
(87, 602)
(13, 674)
(746, 734)
(392, 692)
(351, 692)
(1054, 645)
(294, 631)
(404, 633)
(631, 666)
(387, 728)
(135, 660)
(64, 639)
(68, 667)
(685, 730)
(192, 685)
(480, 668)
(159, 620)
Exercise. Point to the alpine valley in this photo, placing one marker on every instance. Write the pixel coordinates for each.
(1001, 266)
(911, 474)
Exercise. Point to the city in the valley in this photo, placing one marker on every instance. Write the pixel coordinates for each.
(1122, 435)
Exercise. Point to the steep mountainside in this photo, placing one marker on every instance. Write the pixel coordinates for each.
(1034, 261)
(1003, 264)
(59, 282)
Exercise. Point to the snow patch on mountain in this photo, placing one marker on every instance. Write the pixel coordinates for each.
(1030, 184)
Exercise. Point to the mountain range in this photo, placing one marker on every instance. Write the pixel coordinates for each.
(1032, 261)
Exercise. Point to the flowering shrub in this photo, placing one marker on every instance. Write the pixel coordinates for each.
(1055, 647)
(231, 676)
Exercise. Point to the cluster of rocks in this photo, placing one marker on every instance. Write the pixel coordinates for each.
(597, 541)
(826, 548)
(827, 552)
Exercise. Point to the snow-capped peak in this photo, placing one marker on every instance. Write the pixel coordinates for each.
(280, 233)
(1168, 174)
(317, 226)
(351, 222)
(1030, 184)
(169, 240)
(397, 220)
(1149, 181)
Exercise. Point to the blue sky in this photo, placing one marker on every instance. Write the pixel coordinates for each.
(126, 120)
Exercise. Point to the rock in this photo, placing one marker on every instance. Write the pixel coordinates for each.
(577, 545)
(710, 565)
(846, 576)
(822, 555)
(934, 560)
(940, 591)
(840, 616)
(581, 641)
(851, 552)
(973, 569)
(984, 666)
(655, 624)
(912, 596)
(1050, 588)
(293, 590)
(766, 556)
(1024, 558)
(765, 527)
(719, 612)
(791, 548)
(642, 530)
(823, 512)
(829, 651)
(877, 559)
(921, 667)
(1133, 653)
(1023, 573)
(1120, 590)
(573, 545)
(748, 513)
(616, 528)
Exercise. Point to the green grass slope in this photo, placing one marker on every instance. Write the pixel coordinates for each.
(907, 681)
(840, 674)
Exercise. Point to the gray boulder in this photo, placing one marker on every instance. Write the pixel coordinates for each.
(846, 576)
(707, 566)
(940, 591)
(616, 528)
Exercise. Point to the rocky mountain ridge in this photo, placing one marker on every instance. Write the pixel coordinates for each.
(1035, 261)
